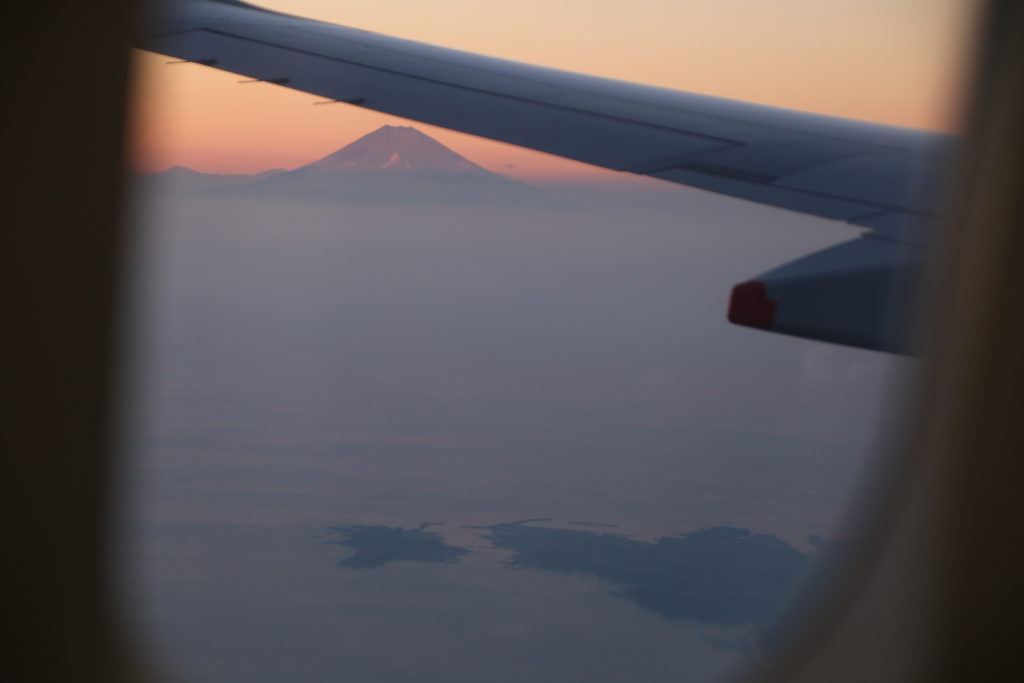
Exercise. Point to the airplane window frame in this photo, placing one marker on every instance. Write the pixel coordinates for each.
(63, 361)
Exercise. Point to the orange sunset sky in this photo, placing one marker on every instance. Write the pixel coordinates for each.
(893, 61)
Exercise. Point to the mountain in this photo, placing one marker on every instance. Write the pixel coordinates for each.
(393, 165)
(180, 179)
(395, 148)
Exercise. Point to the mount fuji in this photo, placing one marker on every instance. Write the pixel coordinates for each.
(393, 164)
(394, 148)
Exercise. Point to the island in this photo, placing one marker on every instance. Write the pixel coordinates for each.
(376, 545)
(724, 576)
(720, 575)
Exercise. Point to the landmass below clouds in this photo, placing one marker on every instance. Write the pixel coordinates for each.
(722, 575)
(376, 545)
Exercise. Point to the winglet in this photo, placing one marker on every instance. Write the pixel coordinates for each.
(749, 305)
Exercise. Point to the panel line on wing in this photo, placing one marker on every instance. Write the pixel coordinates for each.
(492, 93)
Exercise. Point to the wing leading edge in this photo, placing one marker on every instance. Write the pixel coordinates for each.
(877, 177)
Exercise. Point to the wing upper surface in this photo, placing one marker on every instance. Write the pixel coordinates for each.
(875, 176)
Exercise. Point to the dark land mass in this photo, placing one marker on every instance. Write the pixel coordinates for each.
(405, 188)
(377, 545)
(503, 524)
(180, 180)
(721, 575)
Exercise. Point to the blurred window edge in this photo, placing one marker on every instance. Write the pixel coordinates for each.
(926, 591)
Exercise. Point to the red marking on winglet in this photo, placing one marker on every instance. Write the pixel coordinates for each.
(749, 305)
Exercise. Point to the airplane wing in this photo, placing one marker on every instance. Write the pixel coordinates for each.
(881, 179)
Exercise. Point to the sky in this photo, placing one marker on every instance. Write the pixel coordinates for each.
(899, 63)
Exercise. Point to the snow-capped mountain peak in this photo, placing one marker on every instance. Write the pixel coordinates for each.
(395, 148)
